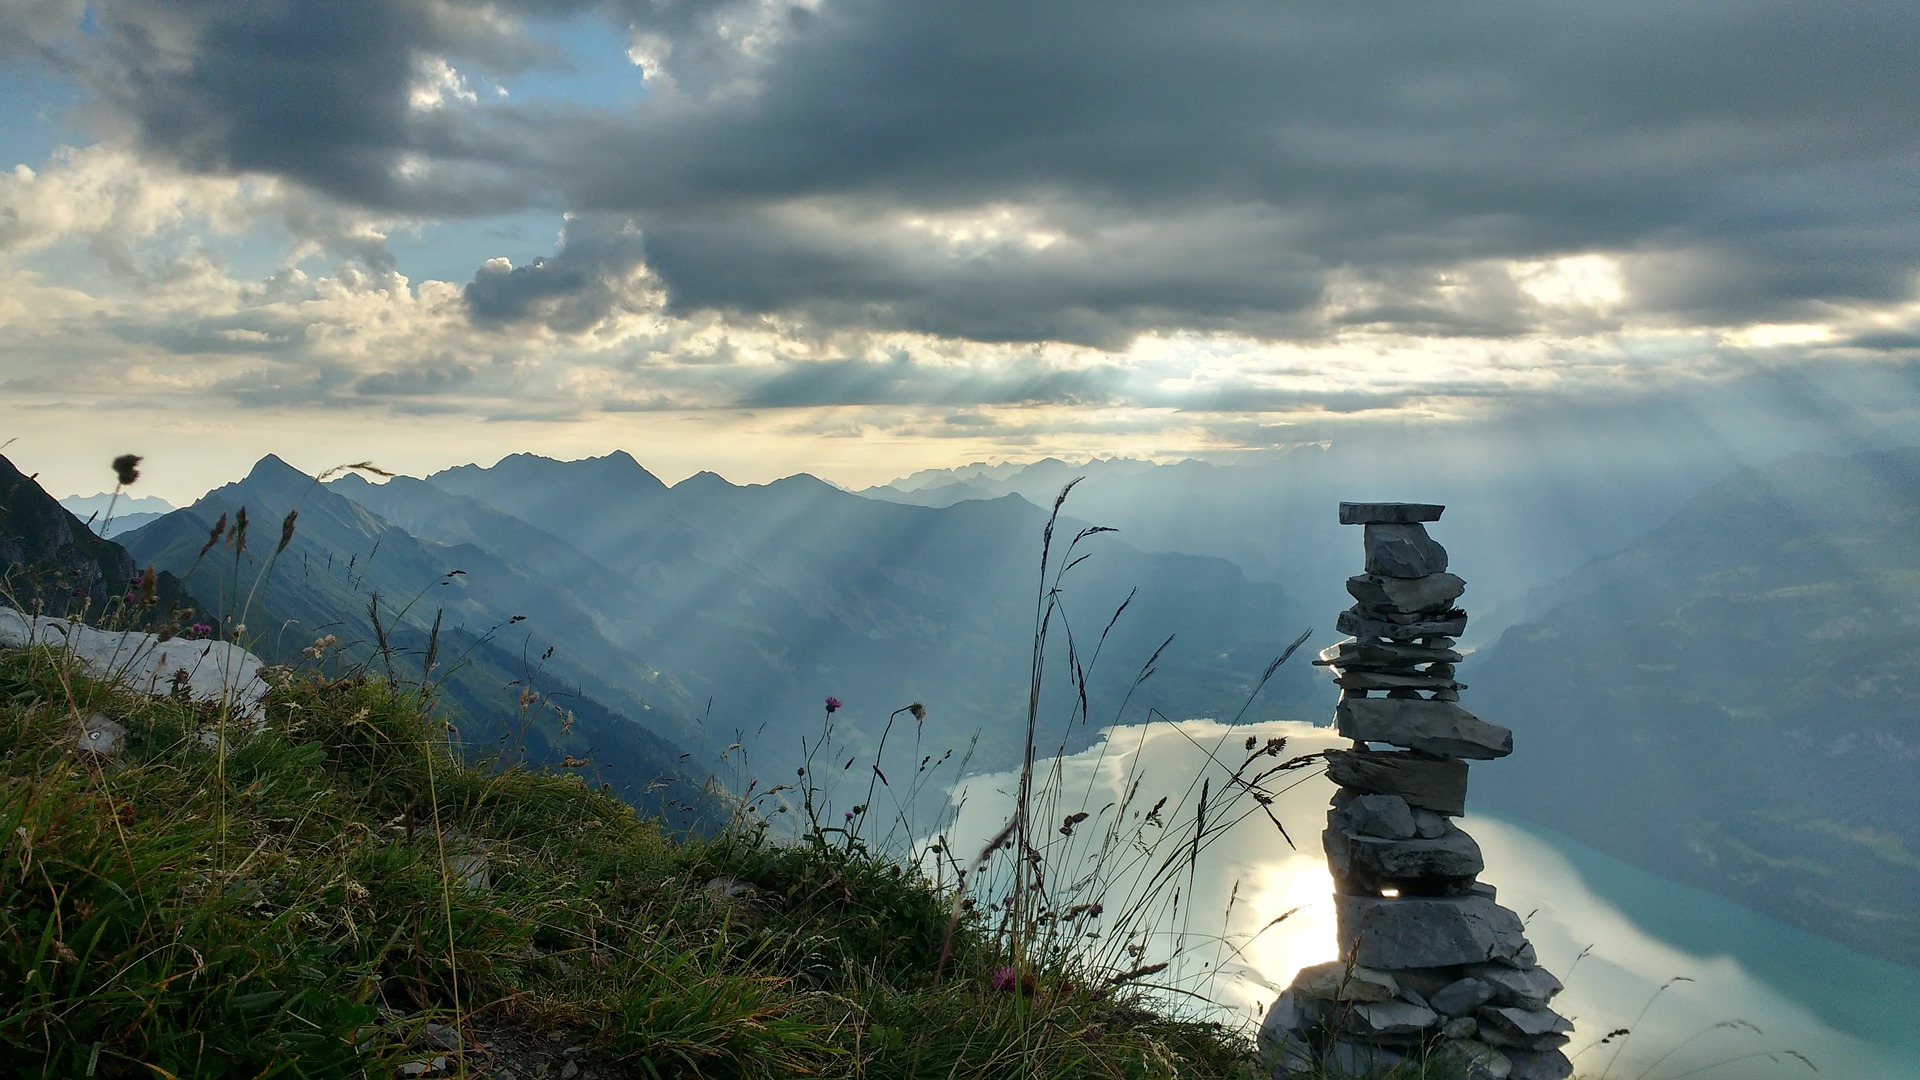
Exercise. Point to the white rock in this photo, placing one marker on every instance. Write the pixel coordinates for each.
(216, 671)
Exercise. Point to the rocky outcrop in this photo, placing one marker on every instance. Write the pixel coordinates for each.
(1431, 966)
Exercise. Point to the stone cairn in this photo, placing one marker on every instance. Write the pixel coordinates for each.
(1430, 966)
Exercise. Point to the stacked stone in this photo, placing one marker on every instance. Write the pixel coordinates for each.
(1430, 965)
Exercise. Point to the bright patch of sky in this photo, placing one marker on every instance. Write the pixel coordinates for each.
(33, 124)
(598, 69)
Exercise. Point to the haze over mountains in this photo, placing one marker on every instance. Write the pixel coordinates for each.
(1516, 519)
(708, 614)
(1733, 700)
(765, 599)
(1722, 689)
(109, 515)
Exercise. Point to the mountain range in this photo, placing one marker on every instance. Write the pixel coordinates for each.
(763, 600)
(110, 515)
(701, 626)
(1518, 517)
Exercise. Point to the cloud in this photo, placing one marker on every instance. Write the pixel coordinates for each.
(599, 269)
(1004, 173)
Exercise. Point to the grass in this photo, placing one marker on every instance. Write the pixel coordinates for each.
(311, 903)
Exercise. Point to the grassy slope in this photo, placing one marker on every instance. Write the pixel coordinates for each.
(301, 907)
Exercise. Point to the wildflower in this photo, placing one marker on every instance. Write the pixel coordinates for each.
(833, 704)
(849, 815)
(126, 468)
(918, 710)
(1007, 980)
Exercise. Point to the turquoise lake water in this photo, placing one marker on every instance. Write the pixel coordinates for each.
(1707, 987)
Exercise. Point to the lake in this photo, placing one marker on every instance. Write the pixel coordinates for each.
(1706, 987)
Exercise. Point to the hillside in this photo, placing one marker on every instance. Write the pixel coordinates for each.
(337, 895)
(50, 560)
(521, 666)
(1734, 700)
(1519, 516)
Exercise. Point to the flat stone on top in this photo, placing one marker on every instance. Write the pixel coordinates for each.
(1387, 933)
(1439, 785)
(1383, 654)
(1385, 513)
(1441, 728)
(1356, 622)
(1429, 595)
(1455, 855)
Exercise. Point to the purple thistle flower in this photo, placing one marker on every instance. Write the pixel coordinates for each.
(849, 815)
(1004, 980)
(833, 704)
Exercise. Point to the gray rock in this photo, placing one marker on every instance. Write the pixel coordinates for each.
(1460, 1027)
(1527, 1029)
(1463, 997)
(1429, 595)
(1521, 987)
(727, 888)
(1394, 680)
(1428, 825)
(1426, 981)
(1408, 932)
(1282, 1038)
(1453, 856)
(1359, 624)
(1333, 841)
(216, 671)
(1440, 728)
(1349, 1058)
(1379, 815)
(99, 735)
(1386, 513)
(1389, 1019)
(1286, 1015)
(1289, 1056)
(1439, 785)
(1383, 654)
(1538, 1065)
(1403, 551)
(1337, 980)
(1476, 1060)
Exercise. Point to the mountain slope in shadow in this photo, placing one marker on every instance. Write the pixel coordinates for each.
(495, 632)
(1734, 700)
(765, 599)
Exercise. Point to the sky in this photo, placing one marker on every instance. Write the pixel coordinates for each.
(860, 238)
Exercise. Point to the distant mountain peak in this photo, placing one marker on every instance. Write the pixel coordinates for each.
(704, 480)
(273, 476)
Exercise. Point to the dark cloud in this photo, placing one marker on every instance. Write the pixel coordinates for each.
(425, 379)
(572, 291)
(1200, 165)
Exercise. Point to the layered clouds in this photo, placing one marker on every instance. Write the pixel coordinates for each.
(1063, 227)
